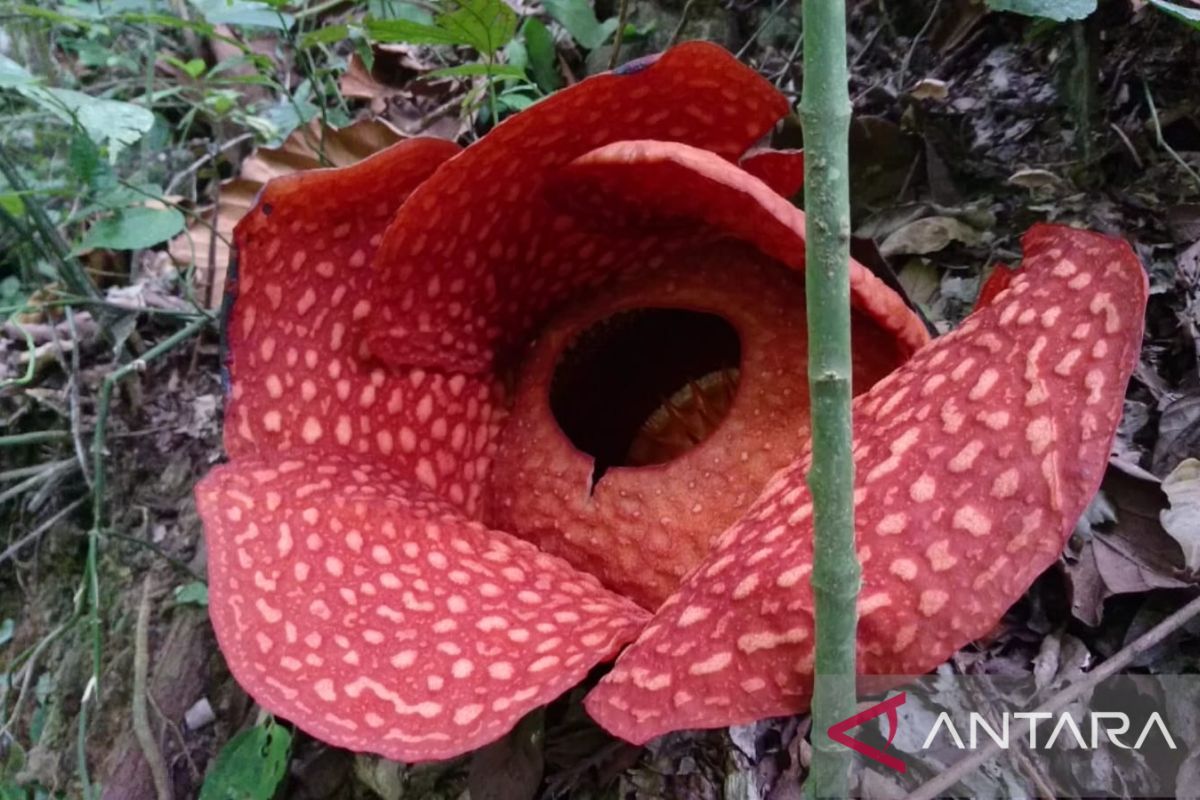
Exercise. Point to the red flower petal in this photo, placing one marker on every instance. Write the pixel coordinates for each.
(1001, 278)
(782, 170)
(649, 185)
(478, 256)
(375, 617)
(298, 372)
(974, 461)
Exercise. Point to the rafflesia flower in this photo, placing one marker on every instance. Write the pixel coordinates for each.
(496, 413)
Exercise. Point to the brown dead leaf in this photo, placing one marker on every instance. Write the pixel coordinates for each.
(929, 235)
(1131, 554)
(394, 88)
(209, 249)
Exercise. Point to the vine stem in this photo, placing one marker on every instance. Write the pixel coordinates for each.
(836, 576)
(89, 591)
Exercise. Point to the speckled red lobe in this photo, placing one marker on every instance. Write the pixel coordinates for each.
(643, 186)
(997, 281)
(973, 462)
(299, 373)
(478, 257)
(341, 538)
(373, 615)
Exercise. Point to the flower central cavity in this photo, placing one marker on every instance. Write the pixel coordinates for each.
(649, 415)
(645, 386)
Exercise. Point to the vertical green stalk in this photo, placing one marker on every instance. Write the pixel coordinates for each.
(825, 113)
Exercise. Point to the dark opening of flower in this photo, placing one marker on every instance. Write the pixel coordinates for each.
(644, 386)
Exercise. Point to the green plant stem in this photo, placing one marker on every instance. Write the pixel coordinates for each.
(90, 589)
(825, 113)
(33, 437)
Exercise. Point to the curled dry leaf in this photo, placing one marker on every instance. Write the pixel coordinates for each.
(1182, 519)
(206, 243)
(929, 235)
(392, 87)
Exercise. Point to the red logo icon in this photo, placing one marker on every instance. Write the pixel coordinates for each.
(838, 732)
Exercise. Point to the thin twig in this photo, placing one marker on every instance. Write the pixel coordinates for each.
(48, 472)
(945, 781)
(1128, 145)
(26, 671)
(37, 532)
(620, 35)
(683, 18)
(1163, 142)
(141, 718)
(912, 48)
(33, 437)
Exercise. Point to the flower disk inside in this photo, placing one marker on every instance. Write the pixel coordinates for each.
(648, 416)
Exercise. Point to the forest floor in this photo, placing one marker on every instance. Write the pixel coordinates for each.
(969, 126)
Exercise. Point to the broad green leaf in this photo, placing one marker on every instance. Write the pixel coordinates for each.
(132, 229)
(578, 17)
(114, 123)
(330, 34)
(243, 13)
(515, 102)
(486, 25)
(408, 32)
(1057, 10)
(1187, 14)
(543, 60)
(194, 594)
(471, 70)
(13, 74)
(278, 121)
(6, 631)
(250, 766)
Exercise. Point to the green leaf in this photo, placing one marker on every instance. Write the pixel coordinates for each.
(330, 34)
(398, 9)
(543, 60)
(250, 766)
(88, 165)
(243, 13)
(6, 631)
(1186, 14)
(13, 74)
(132, 229)
(471, 70)
(13, 204)
(486, 25)
(192, 594)
(578, 17)
(1057, 10)
(408, 32)
(113, 123)
(194, 67)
